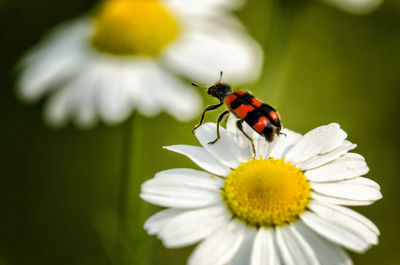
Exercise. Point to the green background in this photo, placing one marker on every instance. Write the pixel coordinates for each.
(60, 189)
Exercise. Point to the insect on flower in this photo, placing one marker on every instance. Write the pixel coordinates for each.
(261, 117)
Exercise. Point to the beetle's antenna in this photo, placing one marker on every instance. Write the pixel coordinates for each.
(197, 85)
(220, 76)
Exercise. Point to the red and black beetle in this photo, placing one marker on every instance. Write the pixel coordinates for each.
(260, 116)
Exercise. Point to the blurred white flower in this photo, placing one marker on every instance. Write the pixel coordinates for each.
(356, 6)
(127, 55)
(283, 207)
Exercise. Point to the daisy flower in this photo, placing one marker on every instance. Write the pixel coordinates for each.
(285, 206)
(356, 6)
(127, 54)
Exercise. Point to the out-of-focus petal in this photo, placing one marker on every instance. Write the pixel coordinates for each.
(359, 7)
(191, 55)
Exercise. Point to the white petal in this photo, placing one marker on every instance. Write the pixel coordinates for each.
(57, 57)
(326, 252)
(142, 74)
(347, 166)
(339, 201)
(151, 89)
(260, 144)
(347, 190)
(76, 100)
(343, 213)
(224, 150)
(283, 143)
(58, 108)
(201, 157)
(338, 234)
(85, 96)
(192, 226)
(147, 104)
(155, 223)
(293, 247)
(244, 253)
(220, 247)
(348, 219)
(182, 188)
(321, 140)
(241, 141)
(122, 88)
(356, 6)
(38, 78)
(265, 251)
(114, 93)
(64, 36)
(180, 100)
(210, 46)
(362, 181)
(136, 82)
(320, 160)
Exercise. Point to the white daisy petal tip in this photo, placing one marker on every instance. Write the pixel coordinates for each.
(318, 141)
(347, 166)
(350, 190)
(339, 201)
(155, 223)
(358, 231)
(190, 226)
(322, 159)
(24, 94)
(202, 158)
(206, 131)
(182, 188)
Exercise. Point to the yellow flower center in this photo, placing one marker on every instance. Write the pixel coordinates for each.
(266, 192)
(133, 27)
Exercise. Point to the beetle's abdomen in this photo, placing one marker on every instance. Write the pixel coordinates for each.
(239, 103)
(260, 116)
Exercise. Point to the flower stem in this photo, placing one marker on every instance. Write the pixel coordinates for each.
(132, 248)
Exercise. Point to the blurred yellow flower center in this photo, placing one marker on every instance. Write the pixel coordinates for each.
(133, 27)
(266, 192)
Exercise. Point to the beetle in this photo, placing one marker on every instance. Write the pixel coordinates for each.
(261, 117)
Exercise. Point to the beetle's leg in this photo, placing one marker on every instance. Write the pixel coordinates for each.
(212, 107)
(240, 127)
(219, 120)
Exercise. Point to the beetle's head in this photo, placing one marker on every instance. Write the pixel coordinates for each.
(218, 90)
